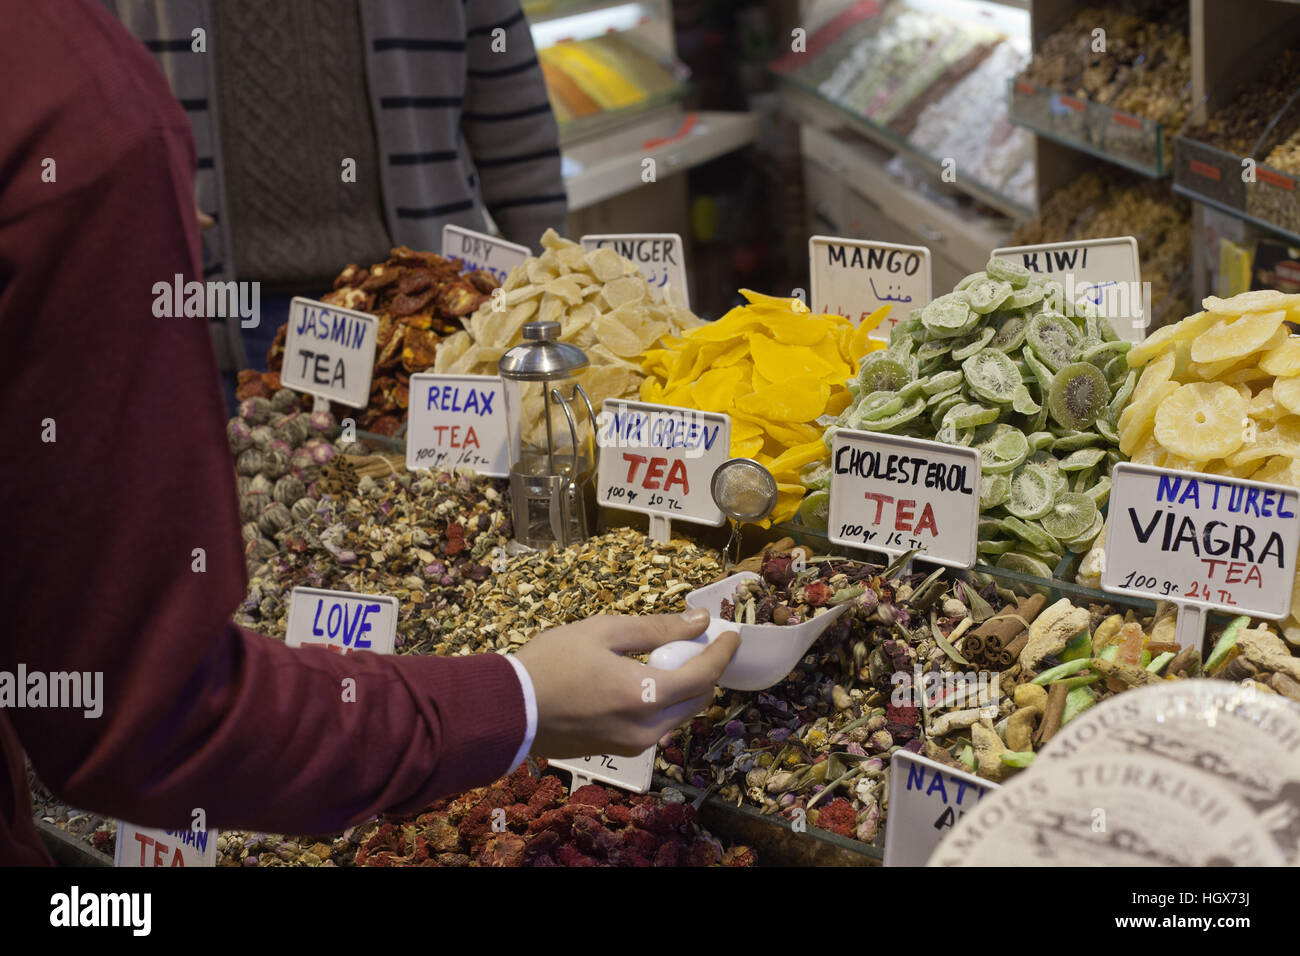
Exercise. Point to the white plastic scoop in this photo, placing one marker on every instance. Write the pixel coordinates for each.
(768, 652)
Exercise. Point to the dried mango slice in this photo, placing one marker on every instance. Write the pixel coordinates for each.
(798, 399)
(1234, 338)
(1202, 420)
(716, 389)
(780, 363)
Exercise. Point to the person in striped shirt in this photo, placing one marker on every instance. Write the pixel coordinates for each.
(329, 131)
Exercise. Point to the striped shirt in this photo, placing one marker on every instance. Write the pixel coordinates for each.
(460, 111)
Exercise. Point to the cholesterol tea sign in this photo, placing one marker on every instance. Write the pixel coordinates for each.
(660, 460)
(329, 351)
(457, 421)
(896, 494)
(1203, 541)
(342, 621)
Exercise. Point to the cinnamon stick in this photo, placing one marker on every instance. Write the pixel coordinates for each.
(1051, 722)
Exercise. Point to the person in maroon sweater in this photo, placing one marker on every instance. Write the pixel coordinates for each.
(119, 469)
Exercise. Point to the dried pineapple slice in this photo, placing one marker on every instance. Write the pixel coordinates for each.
(1168, 336)
(1257, 300)
(1284, 360)
(1153, 376)
(1286, 392)
(1201, 421)
(1236, 338)
(1277, 468)
(1264, 407)
(1282, 439)
(1136, 421)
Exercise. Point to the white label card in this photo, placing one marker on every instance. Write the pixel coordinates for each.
(342, 621)
(1105, 272)
(329, 351)
(148, 847)
(628, 773)
(896, 494)
(660, 256)
(457, 421)
(478, 250)
(660, 460)
(926, 799)
(854, 277)
(1204, 540)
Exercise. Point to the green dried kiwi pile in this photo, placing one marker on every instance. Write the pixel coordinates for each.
(998, 364)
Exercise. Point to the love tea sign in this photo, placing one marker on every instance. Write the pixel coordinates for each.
(896, 494)
(457, 421)
(342, 621)
(1104, 272)
(329, 351)
(660, 460)
(853, 278)
(1202, 541)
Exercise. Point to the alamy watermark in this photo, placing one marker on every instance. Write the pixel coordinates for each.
(681, 430)
(209, 300)
(958, 689)
(57, 689)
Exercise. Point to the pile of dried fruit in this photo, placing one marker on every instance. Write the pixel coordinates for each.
(775, 368)
(921, 663)
(1004, 365)
(521, 820)
(619, 572)
(1220, 393)
(419, 297)
(603, 304)
(279, 451)
(427, 540)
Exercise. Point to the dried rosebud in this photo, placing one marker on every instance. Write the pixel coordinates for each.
(777, 570)
(817, 593)
(734, 728)
(780, 781)
(881, 741)
(886, 614)
(346, 557)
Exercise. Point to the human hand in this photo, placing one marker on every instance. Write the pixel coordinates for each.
(205, 221)
(593, 700)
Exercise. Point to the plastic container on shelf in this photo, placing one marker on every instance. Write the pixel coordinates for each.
(1135, 142)
(1209, 174)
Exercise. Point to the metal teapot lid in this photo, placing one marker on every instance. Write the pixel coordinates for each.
(542, 357)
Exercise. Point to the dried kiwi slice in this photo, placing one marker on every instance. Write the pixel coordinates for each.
(1083, 542)
(991, 375)
(883, 375)
(1067, 440)
(913, 389)
(902, 417)
(994, 491)
(1022, 563)
(966, 351)
(967, 281)
(1071, 515)
(1101, 353)
(1079, 394)
(939, 406)
(815, 509)
(1012, 273)
(1031, 494)
(988, 528)
(949, 315)
(1010, 335)
(1121, 396)
(994, 547)
(986, 295)
(815, 476)
(876, 406)
(1053, 339)
(1100, 492)
(944, 381)
(1003, 451)
(1024, 298)
(1040, 440)
(1031, 534)
(1023, 402)
(969, 415)
(1082, 459)
(936, 349)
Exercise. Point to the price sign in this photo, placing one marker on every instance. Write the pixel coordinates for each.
(1202, 541)
(341, 621)
(457, 421)
(147, 847)
(478, 250)
(660, 256)
(853, 278)
(629, 773)
(1105, 272)
(896, 494)
(329, 351)
(926, 799)
(659, 459)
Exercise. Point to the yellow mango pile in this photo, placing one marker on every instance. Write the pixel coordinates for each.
(775, 368)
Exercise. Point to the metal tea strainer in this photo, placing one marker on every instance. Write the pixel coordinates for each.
(744, 491)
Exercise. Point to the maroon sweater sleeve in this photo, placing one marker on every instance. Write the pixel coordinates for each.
(102, 523)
